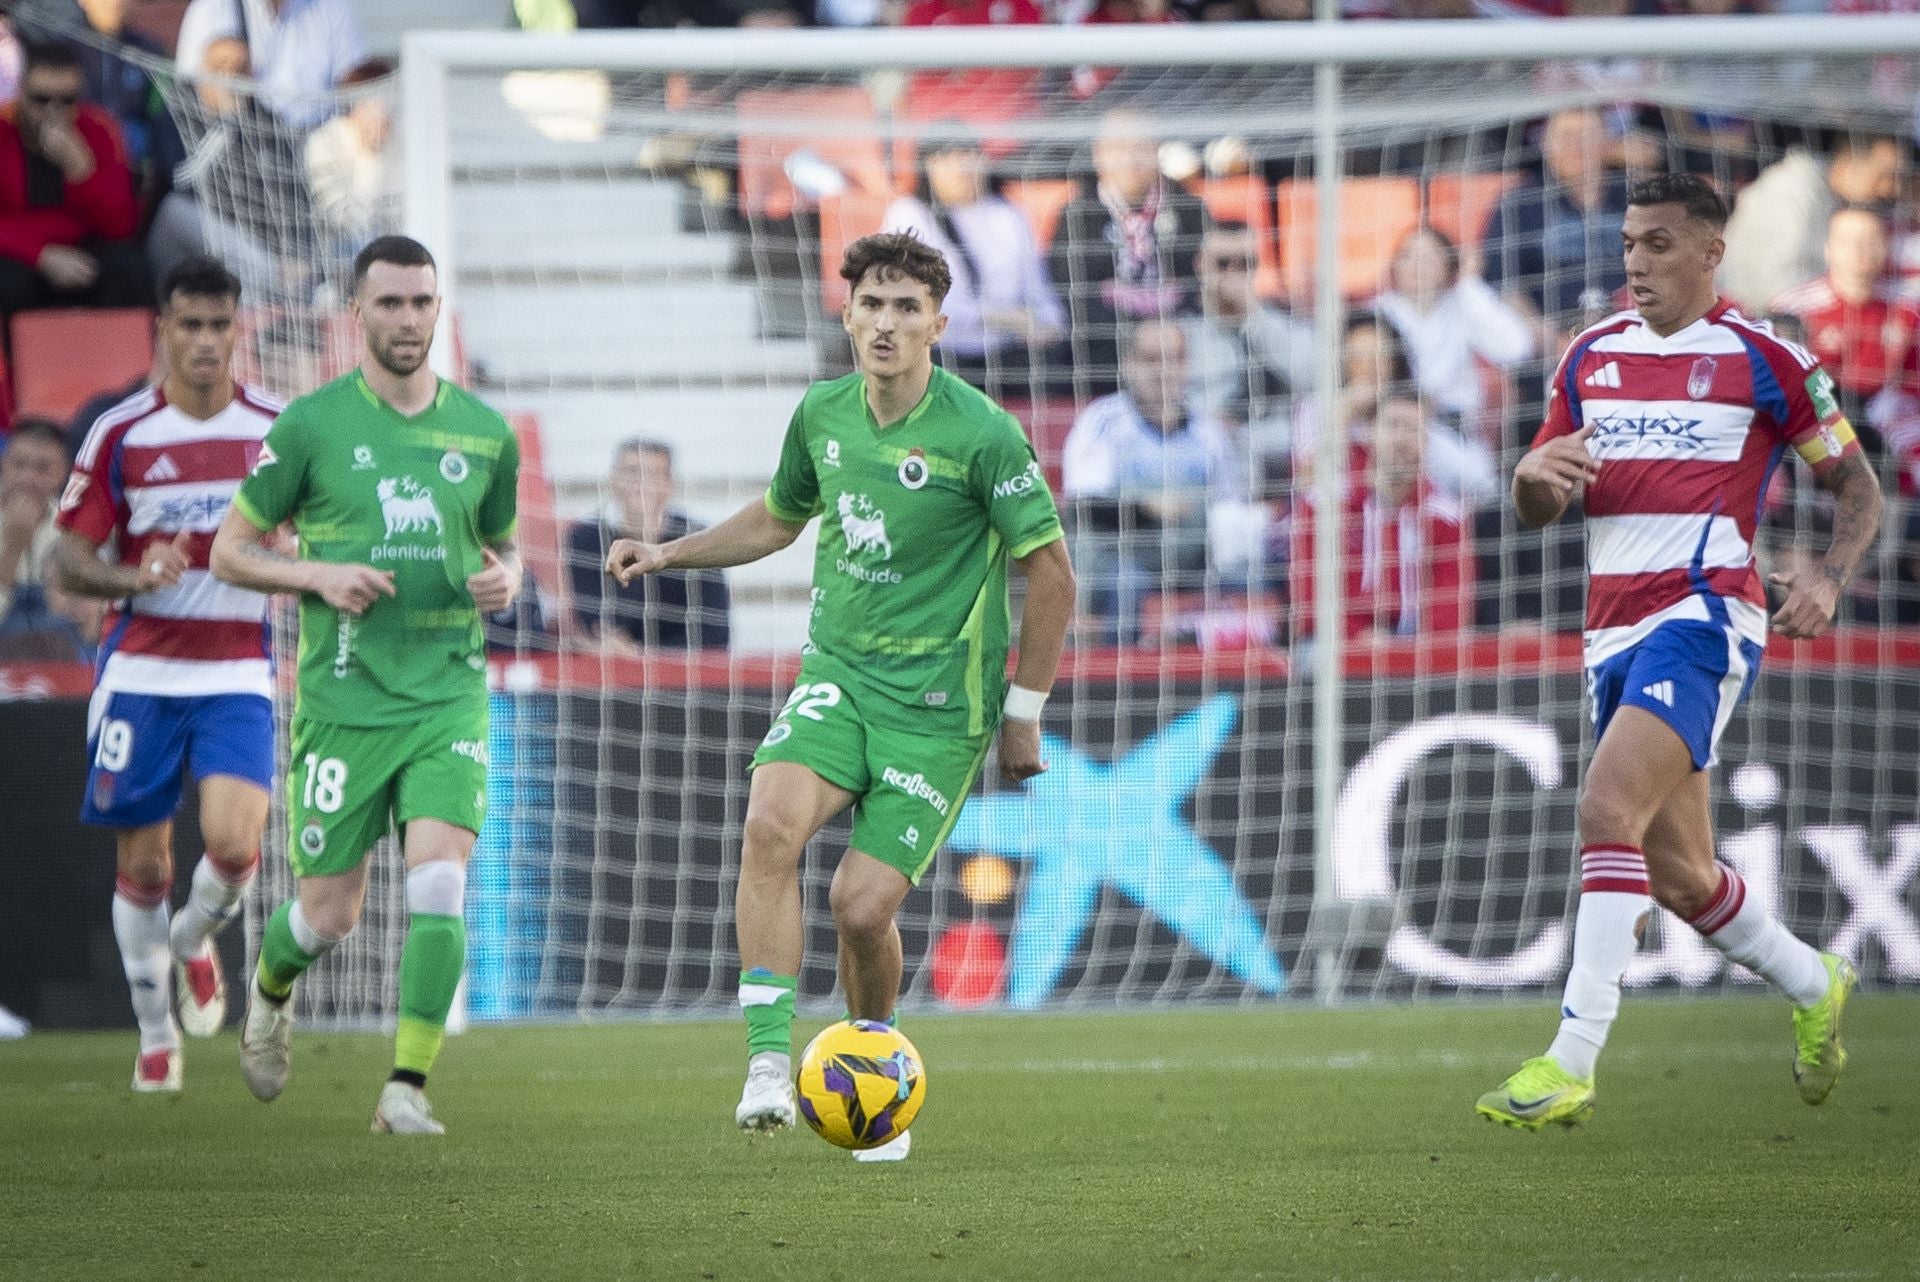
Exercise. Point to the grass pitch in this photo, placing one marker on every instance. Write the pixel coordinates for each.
(1275, 1143)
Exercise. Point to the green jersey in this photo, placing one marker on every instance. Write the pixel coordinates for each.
(420, 496)
(910, 581)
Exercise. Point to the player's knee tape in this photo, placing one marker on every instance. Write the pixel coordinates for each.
(438, 887)
(310, 941)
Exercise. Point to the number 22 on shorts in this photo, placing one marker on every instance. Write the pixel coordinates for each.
(807, 701)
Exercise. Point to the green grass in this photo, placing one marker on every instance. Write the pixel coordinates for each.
(1277, 1143)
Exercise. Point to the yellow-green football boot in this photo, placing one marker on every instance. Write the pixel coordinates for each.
(1818, 1055)
(1539, 1093)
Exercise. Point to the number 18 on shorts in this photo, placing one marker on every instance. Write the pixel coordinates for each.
(349, 785)
(909, 787)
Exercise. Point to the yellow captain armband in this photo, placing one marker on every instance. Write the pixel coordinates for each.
(1828, 444)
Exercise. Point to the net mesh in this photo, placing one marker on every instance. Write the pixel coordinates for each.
(653, 257)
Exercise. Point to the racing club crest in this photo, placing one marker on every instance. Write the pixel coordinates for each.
(913, 468)
(1700, 380)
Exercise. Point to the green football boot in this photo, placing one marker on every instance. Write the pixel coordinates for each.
(1818, 1055)
(1539, 1093)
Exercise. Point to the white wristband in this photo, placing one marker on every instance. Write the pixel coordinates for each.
(1023, 704)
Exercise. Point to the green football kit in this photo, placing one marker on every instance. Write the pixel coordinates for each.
(904, 670)
(390, 723)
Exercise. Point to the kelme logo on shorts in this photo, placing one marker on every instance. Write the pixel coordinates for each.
(313, 838)
(473, 748)
(916, 785)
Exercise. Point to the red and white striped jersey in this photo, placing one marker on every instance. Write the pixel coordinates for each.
(145, 473)
(1687, 430)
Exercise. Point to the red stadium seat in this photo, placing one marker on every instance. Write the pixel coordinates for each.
(63, 358)
(1375, 213)
(848, 138)
(541, 536)
(1041, 200)
(1461, 205)
(1047, 422)
(843, 220)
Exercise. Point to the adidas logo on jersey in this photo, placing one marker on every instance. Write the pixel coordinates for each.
(163, 469)
(1661, 690)
(1607, 375)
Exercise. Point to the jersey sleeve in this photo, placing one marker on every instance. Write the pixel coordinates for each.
(90, 506)
(1819, 433)
(1563, 402)
(1019, 504)
(499, 509)
(794, 495)
(273, 491)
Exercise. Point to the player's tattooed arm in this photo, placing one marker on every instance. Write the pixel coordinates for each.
(1812, 593)
(498, 581)
(83, 573)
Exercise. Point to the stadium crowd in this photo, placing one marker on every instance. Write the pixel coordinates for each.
(1146, 313)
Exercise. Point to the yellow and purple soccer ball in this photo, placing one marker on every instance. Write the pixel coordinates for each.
(861, 1083)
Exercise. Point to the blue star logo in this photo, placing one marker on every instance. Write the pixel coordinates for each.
(1085, 824)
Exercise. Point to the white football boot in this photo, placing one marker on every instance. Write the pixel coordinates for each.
(894, 1150)
(157, 1071)
(766, 1103)
(266, 1043)
(201, 991)
(403, 1110)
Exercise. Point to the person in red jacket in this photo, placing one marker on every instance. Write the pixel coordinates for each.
(68, 215)
(1407, 549)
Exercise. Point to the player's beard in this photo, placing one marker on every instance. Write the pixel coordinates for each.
(400, 366)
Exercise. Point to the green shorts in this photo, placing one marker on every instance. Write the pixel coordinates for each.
(910, 787)
(347, 786)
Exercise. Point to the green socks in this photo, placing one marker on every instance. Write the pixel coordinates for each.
(767, 1001)
(283, 959)
(430, 967)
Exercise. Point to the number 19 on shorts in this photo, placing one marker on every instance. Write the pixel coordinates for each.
(325, 789)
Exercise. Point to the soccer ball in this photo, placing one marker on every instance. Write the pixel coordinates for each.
(861, 1083)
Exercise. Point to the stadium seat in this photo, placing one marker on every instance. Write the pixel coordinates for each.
(1375, 213)
(158, 21)
(62, 358)
(848, 138)
(1461, 205)
(1041, 200)
(541, 536)
(1047, 421)
(843, 220)
(1248, 200)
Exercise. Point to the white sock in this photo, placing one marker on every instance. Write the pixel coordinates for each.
(1746, 933)
(214, 902)
(1606, 933)
(140, 924)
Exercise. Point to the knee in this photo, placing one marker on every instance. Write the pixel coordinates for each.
(235, 854)
(1682, 891)
(333, 918)
(861, 911)
(771, 842)
(1606, 817)
(147, 866)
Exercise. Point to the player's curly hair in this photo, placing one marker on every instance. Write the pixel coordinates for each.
(1696, 195)
(894, 254)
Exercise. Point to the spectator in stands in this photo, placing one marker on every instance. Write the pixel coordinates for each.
(122, 86)
(1002, 312)
(298, 49)
(34, 622)
(1125, 251)
(68, 216)
(1556, 242)
(1406, 547)
(1248, 359)
(242, 194)
(1138, 470)
(1865, 332)
(1452, 326)
(1776, 236)
(355, 183)
(1372, 364)
(675, 609)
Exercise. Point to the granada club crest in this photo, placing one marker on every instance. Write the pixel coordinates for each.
(1700, 380)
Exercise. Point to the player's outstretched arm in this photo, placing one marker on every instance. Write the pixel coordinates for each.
(83, 573)
(1043, 633)
(1813, 594)
(239, 557)
(747, 535)
(1551, 476)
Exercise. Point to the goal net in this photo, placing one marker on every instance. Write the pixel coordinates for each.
(641, 238)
